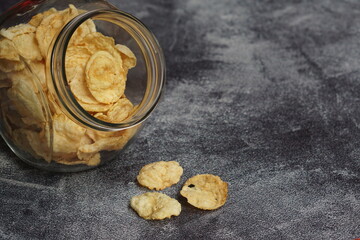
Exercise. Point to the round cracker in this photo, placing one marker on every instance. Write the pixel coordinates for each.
(51, 25)
(19, 29)
(79, 88)
(8, 51)
(205, 191)
(160, 175)
(27, 46)
(128, 57)
(117, 112)
(155, 206)
(104, 78)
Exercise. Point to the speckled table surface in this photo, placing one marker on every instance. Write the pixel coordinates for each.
(264, 94)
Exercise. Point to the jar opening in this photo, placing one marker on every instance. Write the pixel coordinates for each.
(144, 83)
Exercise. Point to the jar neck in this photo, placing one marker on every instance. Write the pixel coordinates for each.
(154, 62)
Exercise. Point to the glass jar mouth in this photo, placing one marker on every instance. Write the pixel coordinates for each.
(153, 58)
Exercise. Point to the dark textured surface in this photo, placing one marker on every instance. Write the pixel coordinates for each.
(264, 94)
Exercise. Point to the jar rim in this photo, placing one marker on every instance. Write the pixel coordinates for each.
(153, 56)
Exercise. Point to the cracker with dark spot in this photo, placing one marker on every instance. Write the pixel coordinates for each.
(205, 191)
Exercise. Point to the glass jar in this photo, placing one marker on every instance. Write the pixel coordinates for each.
(77, 80)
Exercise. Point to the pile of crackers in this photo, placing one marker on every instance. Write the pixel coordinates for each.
(96, 70)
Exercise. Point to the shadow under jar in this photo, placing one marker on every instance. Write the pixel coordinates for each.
(77, 80)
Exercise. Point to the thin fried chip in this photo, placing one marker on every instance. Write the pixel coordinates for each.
(96, 107)
(83, 95)
(106, 144)
(67, 135)
(76, 59)
(108, 141)
(36, 20)
(205, 191)
(76, 56)
(8, 51)
(51, 25)
(118, 112)
(46, 31)
(128, 57)
(79, 88)
(96, 42)
(24, 98)
(155, 206)
(84, 29)
(160, 175)
(97, 135)
(19, 29)
(90, 23)
(72, 157)
(90, 159)
(104, 78)
(26, 46)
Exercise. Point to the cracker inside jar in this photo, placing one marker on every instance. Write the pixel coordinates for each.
(96, 68)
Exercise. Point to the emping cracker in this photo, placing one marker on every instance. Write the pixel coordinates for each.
(205, 191)
(160, 175)
(155, 206)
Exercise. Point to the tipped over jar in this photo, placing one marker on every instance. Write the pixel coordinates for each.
(77, 80)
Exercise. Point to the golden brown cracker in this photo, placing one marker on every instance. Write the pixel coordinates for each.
(128, 57)
(155, 206)
(103, 77)
(205, 191)
(160, 175)
(117, 112)
(8, 51)
(19, 29)
(26, 45)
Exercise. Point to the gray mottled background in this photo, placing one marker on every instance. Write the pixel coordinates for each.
(264, 94)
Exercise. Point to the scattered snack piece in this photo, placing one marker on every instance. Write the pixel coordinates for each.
(160, 175)
(155, 206)
(205, 191)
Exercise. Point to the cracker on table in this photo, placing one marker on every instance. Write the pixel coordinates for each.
(160, 175)
(205, 191)
(155, 206)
